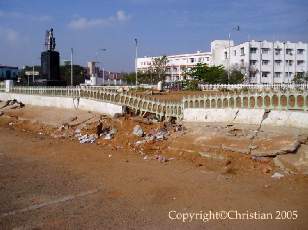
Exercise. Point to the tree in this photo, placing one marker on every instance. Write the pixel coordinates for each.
(160, 68)
(236, 77)
(300, 78)
(78, 74)
(143, 77)
(208, 74)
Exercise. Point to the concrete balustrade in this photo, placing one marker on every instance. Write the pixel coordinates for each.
(290, 100)
(272, 100)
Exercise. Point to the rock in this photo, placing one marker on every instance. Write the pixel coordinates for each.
(140, 142)
(212, 156)
(294, 162)
(117, 115)
(108, 136)
(77, 131)
(252, 147)
(261, 159)
(73, 118)
(138, 131)
(291, 148)
(277, 175)
(266, 169)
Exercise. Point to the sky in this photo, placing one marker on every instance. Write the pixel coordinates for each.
(163, 27)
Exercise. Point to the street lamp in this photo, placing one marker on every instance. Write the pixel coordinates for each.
(72, 51)
(102, 50)
(136, 56)
(237, 28)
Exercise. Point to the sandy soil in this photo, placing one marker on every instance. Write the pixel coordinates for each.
(49, 181)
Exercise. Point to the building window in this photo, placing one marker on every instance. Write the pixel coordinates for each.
(265, 74)
(277, 62)
(253, 50)
(289, 51)
(242, 51)
(265, 50)
(277, 51)
(200, 60)
(192, 60)
(234, 52)
(226, 55)
(300, 62)
(265, 62)
(300, 51)
(289, 62)
(277, 74)
(289, 74)
(207, 58)
(253, 62)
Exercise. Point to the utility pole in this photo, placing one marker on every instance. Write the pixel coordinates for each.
(237, 28)
(229, 37)
(97, 53)
(72, 66)
(32, 74)
(136, 56)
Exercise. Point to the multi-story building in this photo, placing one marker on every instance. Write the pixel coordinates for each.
(262, 62)
(8, 72)
(176, 64)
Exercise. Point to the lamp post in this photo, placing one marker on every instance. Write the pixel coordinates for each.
(72, 51)
(136, 56)
(237, 28)
(102, 50)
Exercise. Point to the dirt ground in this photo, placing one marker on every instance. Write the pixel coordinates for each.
(48, 180)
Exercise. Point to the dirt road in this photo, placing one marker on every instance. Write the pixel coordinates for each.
(52, 183)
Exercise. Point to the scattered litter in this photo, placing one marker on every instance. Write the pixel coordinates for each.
(160, 158)
(77, 131)
(277, 175)
(11, 123)
(138, 131)
(109, 155)
(140, 142)
(108, 136)
(87, 139)
(40, 133)
(145, 157)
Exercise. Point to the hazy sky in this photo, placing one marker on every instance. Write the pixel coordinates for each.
(162, 27)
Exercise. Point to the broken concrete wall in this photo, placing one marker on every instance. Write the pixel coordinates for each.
(210, 115)
(297, 119)
(65, 102)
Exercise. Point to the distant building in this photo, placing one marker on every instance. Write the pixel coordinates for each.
(176, 64)
(8, 72)
(262, 62)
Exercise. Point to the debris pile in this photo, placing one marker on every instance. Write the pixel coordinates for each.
(87, 138)
(138, 131)
(17, 104)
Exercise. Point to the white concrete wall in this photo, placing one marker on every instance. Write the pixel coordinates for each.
(65, 102)
(297, 119)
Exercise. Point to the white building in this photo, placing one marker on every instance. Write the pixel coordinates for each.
(262, 62)
(176, 64)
